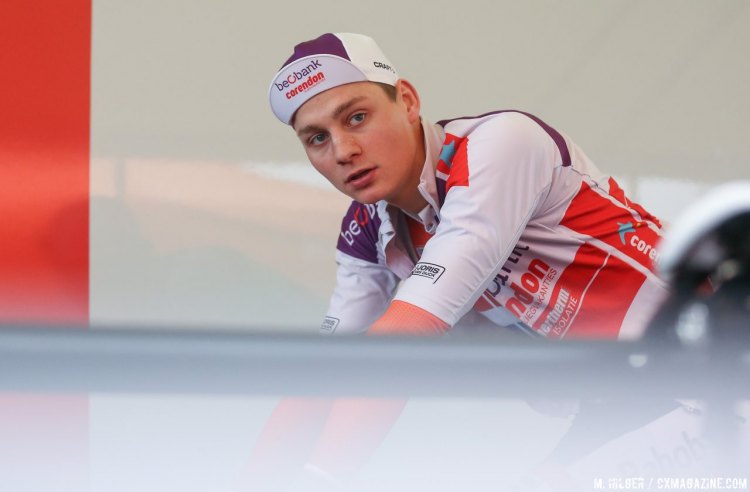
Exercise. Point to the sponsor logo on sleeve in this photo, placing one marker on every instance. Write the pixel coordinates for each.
(329, 324)
(428, 270)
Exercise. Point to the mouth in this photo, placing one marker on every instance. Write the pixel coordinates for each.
(359, 177)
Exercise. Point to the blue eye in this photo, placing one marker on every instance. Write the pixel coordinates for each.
(357, 119)
(318, 139)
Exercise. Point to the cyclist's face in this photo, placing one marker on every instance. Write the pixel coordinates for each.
(367, 145)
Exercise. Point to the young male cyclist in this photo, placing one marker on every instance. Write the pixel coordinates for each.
(499, 214)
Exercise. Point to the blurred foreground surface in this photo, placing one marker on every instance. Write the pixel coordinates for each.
(166, 410)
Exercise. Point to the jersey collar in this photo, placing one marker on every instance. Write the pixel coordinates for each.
(429, 216)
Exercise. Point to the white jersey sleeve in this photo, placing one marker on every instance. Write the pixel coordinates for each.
(363, 292)
(498, 176)
(364, 284)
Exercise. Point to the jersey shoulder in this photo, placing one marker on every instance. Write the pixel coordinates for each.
(507, 137)
(508, 122)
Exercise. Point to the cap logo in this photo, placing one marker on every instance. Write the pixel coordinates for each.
(384, 66)
(311, 82)
(296, 76)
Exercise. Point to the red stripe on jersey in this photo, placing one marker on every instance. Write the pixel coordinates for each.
(454, 161)
(418, 235)
(486, 302)
(450, 144)
(619, 195)
(459, 175)
(603, 310)
(482, 304)
(569, 291)
(591, 214)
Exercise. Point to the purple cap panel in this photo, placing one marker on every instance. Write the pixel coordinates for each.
(325, 44)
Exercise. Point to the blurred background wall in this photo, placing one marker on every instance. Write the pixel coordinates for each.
(655, 88)
(202, 211)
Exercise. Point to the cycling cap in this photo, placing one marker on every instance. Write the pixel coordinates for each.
(324, 63)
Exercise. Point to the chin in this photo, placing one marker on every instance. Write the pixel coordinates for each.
(367, 197)
(366, 200)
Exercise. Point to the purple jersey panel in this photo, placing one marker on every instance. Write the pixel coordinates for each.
(359, 232)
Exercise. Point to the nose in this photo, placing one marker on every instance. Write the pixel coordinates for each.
(346, 148)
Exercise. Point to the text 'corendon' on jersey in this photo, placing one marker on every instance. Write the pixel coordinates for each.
(531, 281)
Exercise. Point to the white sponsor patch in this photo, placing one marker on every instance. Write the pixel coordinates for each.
(329, 324)
(428, 270)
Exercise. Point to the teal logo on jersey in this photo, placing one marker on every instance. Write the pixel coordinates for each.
(448, 153)
(623, 229)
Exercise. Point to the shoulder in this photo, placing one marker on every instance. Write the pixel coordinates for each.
(509, 129)
(497, 123)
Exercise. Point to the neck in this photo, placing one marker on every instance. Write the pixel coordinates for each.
(415, 205)
(413, 201)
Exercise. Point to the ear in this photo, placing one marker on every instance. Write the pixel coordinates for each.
(406, 93)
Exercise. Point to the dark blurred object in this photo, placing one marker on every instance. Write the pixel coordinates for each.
(705, 257)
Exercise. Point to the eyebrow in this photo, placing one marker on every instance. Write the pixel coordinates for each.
(335, 114)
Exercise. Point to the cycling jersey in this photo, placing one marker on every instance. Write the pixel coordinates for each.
(520, 226)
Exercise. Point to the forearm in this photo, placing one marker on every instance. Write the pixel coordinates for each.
(403, 318)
